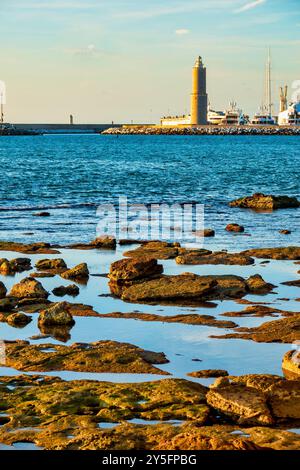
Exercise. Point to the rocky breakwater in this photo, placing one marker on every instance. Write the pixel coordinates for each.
(141, 280)
(205, 130)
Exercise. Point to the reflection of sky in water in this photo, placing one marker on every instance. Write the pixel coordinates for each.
(181, 343)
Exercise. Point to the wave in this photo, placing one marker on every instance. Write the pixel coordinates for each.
(44, 207)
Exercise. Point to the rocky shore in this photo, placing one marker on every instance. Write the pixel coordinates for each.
(206, 130)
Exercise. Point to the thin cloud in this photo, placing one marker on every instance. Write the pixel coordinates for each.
(250, 6)
(182, 31)
(71, 5)
(90, 51)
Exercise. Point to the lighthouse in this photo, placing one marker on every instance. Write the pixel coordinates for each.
(199, 98)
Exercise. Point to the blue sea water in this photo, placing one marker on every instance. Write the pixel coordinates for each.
(70, 175)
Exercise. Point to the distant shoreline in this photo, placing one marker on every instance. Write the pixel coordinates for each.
(205, 130)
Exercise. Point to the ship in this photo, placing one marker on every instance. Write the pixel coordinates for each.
(230, 117)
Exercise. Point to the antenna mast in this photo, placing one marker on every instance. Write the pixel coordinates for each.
(269, 84)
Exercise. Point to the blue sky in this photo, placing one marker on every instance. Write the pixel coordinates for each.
(126, 60)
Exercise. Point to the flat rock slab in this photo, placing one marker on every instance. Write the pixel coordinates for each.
(208, 373)
(286, 330)
(188, 319)
(157, 250)
(280, 253)
(295, 283)
(243, 404)
(102, 356)
(260, 311)
(189, 289)
(265, 202)
(33, 248)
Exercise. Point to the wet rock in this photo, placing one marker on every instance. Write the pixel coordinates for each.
(61, 291)
(168, 288)
(284, 399)
(197, 258)
(57, 314)
(17, 265)
(286, 330)
(208, 373)
(48, 264)
(7, 304)
(42, 214)
(244, 405)
(134, 269)
(295, 283)
(186, 287)
(260, 311)
(42, 274)
(194, 319)
(28, 287)
(33, 248)
(261, 382)
(291, 364)
(101, 356)
(206, 233)
(18, 319)
(130, 241)
(257, 284)
(105, 242)
(285, 232)
(235, 228)
(220, 382)
(281, 253)
(156, 249)
(3, 290)
(79, 272)
(60, 408)
(260, 201)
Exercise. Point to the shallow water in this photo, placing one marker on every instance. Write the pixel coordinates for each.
(181, 343)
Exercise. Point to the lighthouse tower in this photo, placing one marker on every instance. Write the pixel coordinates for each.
(199, 98)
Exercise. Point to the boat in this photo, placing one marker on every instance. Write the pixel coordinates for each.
(232, 116)
(263, 118)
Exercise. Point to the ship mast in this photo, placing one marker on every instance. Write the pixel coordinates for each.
(269, 104)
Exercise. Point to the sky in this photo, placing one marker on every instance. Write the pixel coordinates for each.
(131, 60)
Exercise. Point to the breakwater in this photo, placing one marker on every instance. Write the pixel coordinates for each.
(205, 130)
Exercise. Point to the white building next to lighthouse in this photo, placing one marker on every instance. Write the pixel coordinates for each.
(199, 101)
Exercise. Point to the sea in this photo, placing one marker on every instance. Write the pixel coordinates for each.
(69, 176)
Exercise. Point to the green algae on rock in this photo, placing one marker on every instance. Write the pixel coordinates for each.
(47, 410)
(101, 356)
